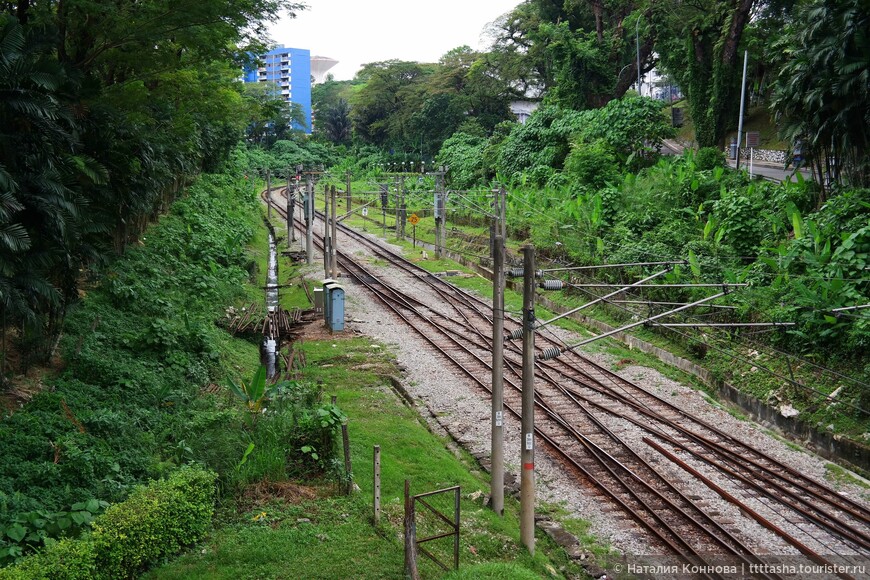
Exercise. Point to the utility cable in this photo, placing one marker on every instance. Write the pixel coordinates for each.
(744, 360)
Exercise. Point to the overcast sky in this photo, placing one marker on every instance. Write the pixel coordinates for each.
(356, 32)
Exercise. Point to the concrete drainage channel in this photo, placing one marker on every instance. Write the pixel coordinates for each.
(269, 346)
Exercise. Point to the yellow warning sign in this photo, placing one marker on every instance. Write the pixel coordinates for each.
(414, 219)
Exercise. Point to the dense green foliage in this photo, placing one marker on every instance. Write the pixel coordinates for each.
(137, 352)
(578, 55)
(629, 131)
(633, 128)
(538, 147)
(106, 111)
(157, 520)
(414, 108)
(463, 153)
(699, 44)
(822, 92)
(801, 262)
(128, 405)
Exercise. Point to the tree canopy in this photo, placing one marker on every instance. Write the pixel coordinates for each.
(106, 110)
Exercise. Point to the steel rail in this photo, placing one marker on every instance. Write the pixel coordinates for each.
(476, 304)
(687, 552)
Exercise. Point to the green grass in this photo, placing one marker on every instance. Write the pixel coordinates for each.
(336, 541)
(339, 539)
(839, 476)
(333, 536)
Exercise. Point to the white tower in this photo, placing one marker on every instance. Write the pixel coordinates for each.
(319, 66)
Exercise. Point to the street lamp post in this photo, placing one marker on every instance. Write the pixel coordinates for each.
(637, 48)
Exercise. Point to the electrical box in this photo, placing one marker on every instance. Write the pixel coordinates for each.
(334, 307)
(306, 207)
(440, 203)
(318, 299)
(325, 298)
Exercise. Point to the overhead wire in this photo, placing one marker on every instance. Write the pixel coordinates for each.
(473, 204)
(771, 347)
(738, 357)
(470, 204)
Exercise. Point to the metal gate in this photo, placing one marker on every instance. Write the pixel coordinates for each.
(413, 544)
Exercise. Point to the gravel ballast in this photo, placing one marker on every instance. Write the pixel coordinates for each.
(447, 397)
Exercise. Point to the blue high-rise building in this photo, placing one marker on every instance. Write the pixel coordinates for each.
(290, 70)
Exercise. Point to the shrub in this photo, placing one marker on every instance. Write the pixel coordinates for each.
(538, 147)
(65, 560)
(633, 128)
(709, 158)
(463, 153)
(156, 520)
(593, 165)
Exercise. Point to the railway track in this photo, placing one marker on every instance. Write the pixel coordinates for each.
(581, 408)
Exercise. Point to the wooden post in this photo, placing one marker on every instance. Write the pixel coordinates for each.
(410, 535)
(348, 470)
(456, 502)
(377, 484)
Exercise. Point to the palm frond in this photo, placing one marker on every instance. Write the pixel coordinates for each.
(14, 237)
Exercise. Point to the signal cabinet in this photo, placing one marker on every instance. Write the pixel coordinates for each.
(333, 306)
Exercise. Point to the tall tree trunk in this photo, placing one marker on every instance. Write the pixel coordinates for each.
(703, 52)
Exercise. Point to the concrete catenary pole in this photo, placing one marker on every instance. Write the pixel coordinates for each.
(440, 210)
(398, 208)
(497, 459)
(333, 239)
(309, 222)
(527, 453)
(290, 200)
(404, 212)
(327, 243)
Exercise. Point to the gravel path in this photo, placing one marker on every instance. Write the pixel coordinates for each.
(463, 409)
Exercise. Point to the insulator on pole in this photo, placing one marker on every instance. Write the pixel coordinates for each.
(516, 334)
(549, 353)
(539, 273)
(552, 284)
(515, 272)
